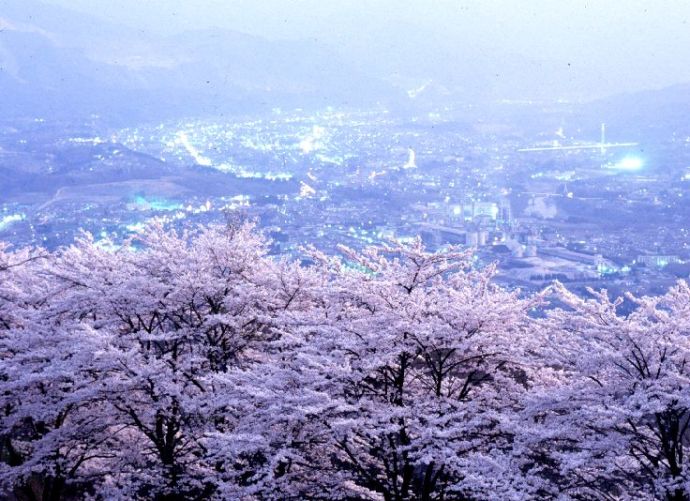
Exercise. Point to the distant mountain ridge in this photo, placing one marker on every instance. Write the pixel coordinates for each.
(645, 115)
(63, 64)
(47, 68)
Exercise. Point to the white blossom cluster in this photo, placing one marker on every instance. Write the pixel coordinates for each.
(195, 366)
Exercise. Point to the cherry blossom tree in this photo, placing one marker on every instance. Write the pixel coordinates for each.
(47, 385)
(612, 413)
(403, 385)
(17, 272)
(150, 328)
(194, 365)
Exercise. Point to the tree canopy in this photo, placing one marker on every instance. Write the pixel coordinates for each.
(196, 366)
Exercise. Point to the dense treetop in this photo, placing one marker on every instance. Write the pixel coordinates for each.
(195, 366)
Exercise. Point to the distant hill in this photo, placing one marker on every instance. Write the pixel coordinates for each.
(62, 64)
(641, 116)
(648, 112)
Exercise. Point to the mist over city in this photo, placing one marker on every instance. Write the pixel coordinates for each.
(376, 250)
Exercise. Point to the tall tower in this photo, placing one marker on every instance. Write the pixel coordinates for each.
(411, 159)
(603, 139)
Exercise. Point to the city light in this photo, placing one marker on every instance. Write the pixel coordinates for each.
(629, 163)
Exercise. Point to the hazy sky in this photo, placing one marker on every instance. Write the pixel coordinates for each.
(636, 43)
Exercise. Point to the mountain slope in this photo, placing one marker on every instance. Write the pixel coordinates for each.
(48, 68)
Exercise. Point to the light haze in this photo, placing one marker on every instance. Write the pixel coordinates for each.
(597, 48)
